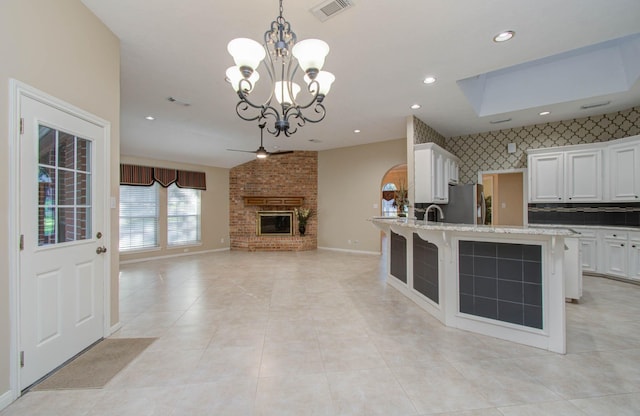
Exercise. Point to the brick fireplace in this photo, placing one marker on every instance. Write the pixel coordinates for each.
(277, 183)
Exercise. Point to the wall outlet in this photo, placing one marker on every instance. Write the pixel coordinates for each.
(348, 241)
(222, 240)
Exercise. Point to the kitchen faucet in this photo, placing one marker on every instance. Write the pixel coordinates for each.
(426, 212)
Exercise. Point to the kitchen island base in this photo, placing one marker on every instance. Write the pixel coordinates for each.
(508, 283)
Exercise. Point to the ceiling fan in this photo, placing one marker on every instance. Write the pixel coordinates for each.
(262, 153)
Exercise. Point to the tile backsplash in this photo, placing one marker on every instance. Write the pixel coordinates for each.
(609, 214)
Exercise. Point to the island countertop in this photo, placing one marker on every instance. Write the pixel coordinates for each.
(444, 226)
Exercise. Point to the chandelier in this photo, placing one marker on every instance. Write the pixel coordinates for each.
(284, 56)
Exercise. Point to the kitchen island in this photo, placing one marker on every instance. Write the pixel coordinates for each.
(505, 282)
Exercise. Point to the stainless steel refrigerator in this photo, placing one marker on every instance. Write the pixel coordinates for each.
(466, 205)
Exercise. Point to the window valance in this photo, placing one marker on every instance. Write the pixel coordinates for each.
(147, 175)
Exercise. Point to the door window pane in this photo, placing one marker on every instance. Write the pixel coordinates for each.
(64, 193)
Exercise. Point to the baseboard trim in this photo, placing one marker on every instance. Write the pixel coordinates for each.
(191, 253)
(371, 253)
(6, 399)
(115, 328)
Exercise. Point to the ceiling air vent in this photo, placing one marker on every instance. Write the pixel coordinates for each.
(330, 8)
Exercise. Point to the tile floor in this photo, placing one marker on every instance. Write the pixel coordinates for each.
(320, 333)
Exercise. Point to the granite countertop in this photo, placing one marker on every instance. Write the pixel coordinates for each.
(444, 226)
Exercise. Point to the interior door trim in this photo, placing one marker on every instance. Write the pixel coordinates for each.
(17, 91)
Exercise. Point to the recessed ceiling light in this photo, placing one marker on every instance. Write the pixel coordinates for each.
(356, 131)
(504, 36)
(545, 113)
(429, 80)
(415, 106)
(150, 118)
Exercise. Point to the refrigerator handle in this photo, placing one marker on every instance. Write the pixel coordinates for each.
(483, 208)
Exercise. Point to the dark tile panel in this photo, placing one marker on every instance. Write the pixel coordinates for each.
(501, 281)
(425, 268)
(511, 312)
(399, 257)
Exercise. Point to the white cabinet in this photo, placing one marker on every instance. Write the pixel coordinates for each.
(588, 249)
(546, 177)
(596, 172)
(634, 256)
(453, 171)
(583, 175)
(624, 172)
(566, 176)
(616, 253)
(433, 170)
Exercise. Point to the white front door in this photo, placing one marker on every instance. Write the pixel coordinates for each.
(61, 282)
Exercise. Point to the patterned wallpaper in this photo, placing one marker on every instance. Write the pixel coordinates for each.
(488, 151)
(423, 133)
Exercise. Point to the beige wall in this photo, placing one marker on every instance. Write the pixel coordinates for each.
(349, 184)
(508, 199)
(61, 48)
(214, 210)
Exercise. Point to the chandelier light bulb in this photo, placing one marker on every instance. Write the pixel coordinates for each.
(310, 54)
(234, 76)
(247, 53)
(323, 80)
(282, 92)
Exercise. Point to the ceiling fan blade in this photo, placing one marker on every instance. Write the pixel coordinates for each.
(284, 152)
(237, 150)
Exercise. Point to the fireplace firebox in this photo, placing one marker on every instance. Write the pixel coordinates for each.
(275, 223)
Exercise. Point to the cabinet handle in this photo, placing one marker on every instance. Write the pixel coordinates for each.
(633, 246)
(621, 245)
(615, 235)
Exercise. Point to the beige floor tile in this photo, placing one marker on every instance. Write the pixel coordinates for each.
(321, 333)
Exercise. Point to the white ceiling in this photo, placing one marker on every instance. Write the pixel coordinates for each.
(381, 51)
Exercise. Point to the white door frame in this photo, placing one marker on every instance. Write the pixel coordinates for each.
(525, 188)
(18, 90)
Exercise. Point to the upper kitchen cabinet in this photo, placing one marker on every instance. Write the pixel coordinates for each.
(583, 176)
(546, 177)
(580, 173)
(624, 171)
(434, 169)
(559, 176)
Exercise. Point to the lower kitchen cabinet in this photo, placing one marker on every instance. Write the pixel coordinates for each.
(616, 257)
(634, 258)
(589, 249)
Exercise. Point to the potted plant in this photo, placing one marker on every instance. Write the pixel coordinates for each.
(302, 214)
(401, 200)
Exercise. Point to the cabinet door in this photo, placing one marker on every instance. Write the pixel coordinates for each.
(546, 177)
(439, 179)
(583, 175)
(423, 176)
(616, 255)
(589, 250)
(453, 171)
(634, 259)
(624, 172)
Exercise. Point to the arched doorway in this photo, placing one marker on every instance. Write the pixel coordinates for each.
(395, 179)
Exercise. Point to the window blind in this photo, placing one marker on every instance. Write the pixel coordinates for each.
(138, 217)
(183, 216)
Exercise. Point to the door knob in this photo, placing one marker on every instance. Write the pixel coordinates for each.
(101, 250)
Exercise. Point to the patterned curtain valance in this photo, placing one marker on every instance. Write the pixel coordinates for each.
(146, 176)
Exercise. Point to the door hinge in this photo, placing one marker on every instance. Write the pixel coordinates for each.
(21, 125)
(21, 242)
(21, 359)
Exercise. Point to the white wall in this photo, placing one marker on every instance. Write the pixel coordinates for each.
(349, 184)
(61, 48)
